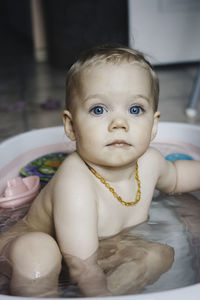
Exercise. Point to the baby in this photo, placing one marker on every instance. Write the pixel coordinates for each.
(102, 189)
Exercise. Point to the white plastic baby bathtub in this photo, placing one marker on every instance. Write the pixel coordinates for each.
(31, 144)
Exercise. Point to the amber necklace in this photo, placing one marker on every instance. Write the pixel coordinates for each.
(111, 189)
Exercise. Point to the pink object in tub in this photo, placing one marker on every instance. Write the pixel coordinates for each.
(19, 191)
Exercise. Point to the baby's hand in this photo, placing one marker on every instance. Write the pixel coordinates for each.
(131, 263)
(88, 275)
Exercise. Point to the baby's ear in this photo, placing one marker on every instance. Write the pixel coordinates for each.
(155, 125)
(68, 125)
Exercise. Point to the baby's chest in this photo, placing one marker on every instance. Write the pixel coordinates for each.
(113, 216)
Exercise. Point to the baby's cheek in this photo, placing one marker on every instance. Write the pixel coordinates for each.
(146, 130)
(85, 141)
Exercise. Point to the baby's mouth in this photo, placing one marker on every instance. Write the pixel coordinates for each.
(119, 144)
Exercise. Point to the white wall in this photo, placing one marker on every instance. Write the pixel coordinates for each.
(167, 30)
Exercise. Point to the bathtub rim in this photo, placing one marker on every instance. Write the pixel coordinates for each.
(174, 294)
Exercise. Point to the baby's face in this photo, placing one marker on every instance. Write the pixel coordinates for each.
(113, 118)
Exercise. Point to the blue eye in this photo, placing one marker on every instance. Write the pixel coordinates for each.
(98, 110)
(135, 110)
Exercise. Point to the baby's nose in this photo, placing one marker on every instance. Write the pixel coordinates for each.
(118, 123)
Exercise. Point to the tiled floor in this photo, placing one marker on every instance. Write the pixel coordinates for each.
(25, 86)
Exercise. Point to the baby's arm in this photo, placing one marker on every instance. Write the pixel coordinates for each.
(178, 177)
(90, 277)
(75, 217)
(187, 176)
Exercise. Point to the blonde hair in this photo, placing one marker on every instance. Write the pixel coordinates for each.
(108, 54)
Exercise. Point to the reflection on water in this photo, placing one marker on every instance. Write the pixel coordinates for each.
(174, 220)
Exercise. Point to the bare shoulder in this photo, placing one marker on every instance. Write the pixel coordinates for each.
(73, 169)
(72, 179)
(151, 156)
(151, 164)
(72, 160)
(161, 169)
